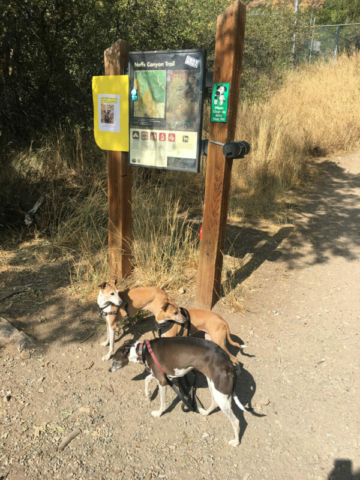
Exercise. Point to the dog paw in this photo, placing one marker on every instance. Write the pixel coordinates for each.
(156, 413)
(203, 412)
(105, 344)
(106, 357)
(234, 443)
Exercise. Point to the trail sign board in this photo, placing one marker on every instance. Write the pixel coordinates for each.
(219, 102)
(166, 109)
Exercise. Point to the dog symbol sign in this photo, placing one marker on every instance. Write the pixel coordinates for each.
(219, 104)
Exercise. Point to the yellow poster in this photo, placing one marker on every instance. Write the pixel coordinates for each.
(111, 112)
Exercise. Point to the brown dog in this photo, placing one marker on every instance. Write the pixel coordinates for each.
(215, 327)
(114, 304)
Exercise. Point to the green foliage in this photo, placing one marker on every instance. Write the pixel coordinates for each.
(268, 46)
(339, 11)
(50, 49)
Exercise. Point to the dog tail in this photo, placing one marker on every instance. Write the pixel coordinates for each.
(238, 403)
(229, 337)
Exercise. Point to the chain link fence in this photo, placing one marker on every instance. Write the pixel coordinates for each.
(328, 41)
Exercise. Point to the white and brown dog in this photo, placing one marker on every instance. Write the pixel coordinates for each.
(215, 327)
(114, 304)
(175, 357)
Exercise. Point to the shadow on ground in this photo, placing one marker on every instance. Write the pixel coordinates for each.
(327, 225)
(343, 470)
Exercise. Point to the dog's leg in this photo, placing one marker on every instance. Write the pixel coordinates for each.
(158, 413)
(213, 402)
(112, 341)
(224, 402)
(106, 343)
(147, 386)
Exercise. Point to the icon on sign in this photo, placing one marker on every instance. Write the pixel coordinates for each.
(162, 137)
(186, 138)
(153, 136)
(133, 94)
(135, 135)
(144, 135)
(171, 137)
(133, 160)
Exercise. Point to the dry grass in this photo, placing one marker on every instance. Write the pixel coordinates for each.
(315, 113)
(165, 242)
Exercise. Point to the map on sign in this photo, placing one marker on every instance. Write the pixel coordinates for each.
(151, 93)
(166, 109)
(182, 106)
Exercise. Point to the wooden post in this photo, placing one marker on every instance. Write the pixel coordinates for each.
(119, 182)
(227, 69)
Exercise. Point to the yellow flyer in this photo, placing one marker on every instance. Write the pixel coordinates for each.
(111, 112)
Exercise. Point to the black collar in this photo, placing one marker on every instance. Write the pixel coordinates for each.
(113, 312)
(187, 323)
(164, 327)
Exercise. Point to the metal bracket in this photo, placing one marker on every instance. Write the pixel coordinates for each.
(209, 79)
(231, 150)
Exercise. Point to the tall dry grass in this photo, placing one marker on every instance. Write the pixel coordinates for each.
(165, 240)
(314, 113)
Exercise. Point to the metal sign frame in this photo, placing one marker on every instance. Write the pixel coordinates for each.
(164, 132)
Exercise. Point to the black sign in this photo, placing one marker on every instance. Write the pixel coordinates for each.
(166, 102)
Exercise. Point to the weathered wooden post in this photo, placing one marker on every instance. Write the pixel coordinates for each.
(227, 69)
(119, 181)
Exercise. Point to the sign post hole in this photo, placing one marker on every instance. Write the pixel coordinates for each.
(116, 58)
(227, 71)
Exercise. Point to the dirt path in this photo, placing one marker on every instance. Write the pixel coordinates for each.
(300, 375)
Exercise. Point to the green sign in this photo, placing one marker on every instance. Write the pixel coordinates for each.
(219, 104)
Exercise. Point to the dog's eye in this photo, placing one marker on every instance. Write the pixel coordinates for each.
(113, 293)
(176, 312)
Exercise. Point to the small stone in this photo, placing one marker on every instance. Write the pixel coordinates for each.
(264, 402)
(84, 410)
(205, 435)
(181, 290)
(25, 355)
(7, 398)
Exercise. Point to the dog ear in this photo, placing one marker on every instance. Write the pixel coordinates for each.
(126, 346)
(165, 306)
(102, 285)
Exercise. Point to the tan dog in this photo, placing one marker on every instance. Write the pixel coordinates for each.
(114, 305)
(215, 327)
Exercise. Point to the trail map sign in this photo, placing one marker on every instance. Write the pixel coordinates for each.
(166, 99)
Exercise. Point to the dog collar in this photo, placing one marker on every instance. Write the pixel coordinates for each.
(104, 314)
(162, 328)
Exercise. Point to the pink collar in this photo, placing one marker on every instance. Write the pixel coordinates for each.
(153, 356)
